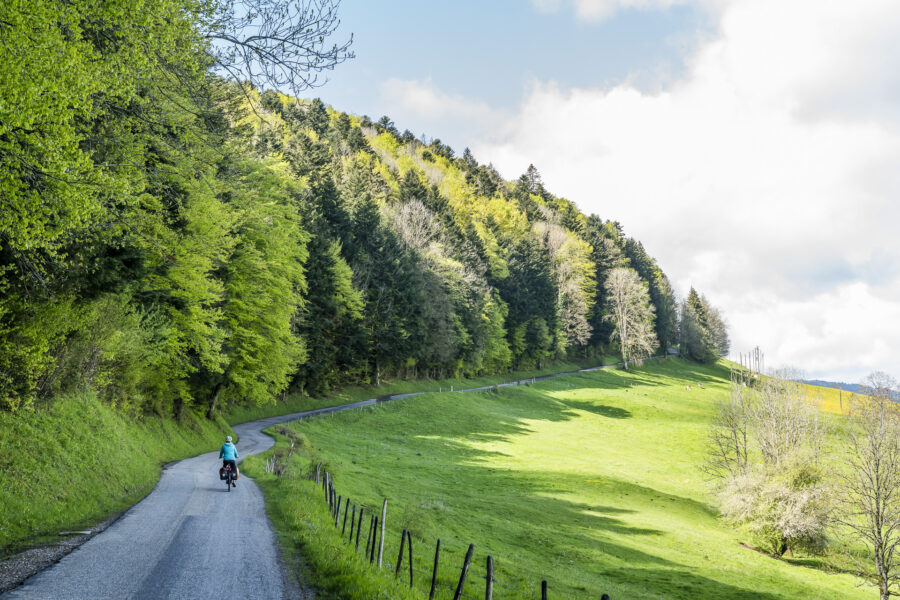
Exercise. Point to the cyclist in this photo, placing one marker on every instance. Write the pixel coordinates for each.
(229, 455)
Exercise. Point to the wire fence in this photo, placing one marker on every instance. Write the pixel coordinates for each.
(443, 576)
(438, 582)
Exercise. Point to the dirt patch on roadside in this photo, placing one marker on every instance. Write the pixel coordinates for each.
(15, 569)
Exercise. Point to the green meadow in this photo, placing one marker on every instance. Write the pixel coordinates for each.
(589, 481)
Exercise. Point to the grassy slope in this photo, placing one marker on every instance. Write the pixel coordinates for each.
(78, 461)
(589, 481)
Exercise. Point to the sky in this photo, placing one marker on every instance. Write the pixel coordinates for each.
(753, 146)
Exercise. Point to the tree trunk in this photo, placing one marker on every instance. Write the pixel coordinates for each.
(783, 549)
(215, 401)
(179, 410)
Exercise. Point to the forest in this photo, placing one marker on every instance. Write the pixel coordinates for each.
(176, 236)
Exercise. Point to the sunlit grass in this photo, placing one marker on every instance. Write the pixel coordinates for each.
(590, 481)
(76, 461)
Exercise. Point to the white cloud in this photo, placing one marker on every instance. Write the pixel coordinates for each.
(766, 176)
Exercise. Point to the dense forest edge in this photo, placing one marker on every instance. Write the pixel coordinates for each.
(177, 242)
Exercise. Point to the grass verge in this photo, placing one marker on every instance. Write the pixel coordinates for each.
(77, 461)
(301, 518)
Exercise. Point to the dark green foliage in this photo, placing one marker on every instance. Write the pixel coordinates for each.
(531, 296)
(607, 254)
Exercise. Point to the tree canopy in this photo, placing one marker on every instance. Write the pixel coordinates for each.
(176, 233)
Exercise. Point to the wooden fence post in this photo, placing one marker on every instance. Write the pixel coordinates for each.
(381, 537)
(337, 512)
(346, 511)
(400, 556)
(465, 570)
(489, 585)
(359, 527)
(374, 539)
(352, 523)
(437, 554)
(369, 536)
(544, 590)
(409, 540)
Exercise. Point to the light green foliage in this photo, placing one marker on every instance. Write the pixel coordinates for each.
(349, 301)
(787, 508)
(28, 332)
(188, 279)
(589, 481)
(61, 66)
(264, 285)
(575, 282)
(630, 311)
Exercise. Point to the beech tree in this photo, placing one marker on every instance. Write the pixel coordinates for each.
(632, 314)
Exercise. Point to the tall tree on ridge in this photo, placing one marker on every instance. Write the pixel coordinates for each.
(630, 311)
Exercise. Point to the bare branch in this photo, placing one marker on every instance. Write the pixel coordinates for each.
(281, 44)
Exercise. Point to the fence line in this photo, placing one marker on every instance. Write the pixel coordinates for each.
(375, 541)
(333, 500)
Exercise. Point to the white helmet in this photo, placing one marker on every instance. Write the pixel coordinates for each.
(227, 438)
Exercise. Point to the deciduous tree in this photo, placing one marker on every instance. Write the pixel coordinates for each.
(630, 311)
(870, 484)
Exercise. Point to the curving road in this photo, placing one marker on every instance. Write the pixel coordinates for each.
(190, 538)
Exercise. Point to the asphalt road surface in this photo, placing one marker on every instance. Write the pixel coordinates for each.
(190, 538)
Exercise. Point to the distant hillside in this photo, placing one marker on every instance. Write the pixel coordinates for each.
(847, 387)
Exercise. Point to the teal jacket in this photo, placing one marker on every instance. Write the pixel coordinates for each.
(228, 452)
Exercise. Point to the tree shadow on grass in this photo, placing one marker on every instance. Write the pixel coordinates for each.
(678, 583)
(612, 412)
(433, 459)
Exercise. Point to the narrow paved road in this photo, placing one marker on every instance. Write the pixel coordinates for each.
(189, 538)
